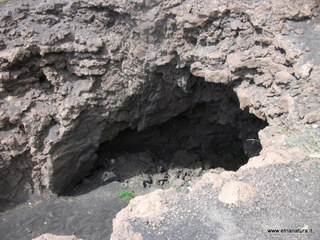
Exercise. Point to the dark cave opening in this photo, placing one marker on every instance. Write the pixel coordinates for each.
(191, 132)
(212, 134)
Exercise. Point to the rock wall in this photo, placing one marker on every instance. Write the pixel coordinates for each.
(73, 74)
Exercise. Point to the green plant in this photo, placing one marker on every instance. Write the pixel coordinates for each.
(2, 1)
(126, 195)
(167, 185)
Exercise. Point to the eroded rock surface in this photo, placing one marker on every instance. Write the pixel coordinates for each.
(74, 74)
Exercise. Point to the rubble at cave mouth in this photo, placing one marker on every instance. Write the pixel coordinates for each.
(213, 134)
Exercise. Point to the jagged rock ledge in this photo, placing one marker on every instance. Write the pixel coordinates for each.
(75, 74)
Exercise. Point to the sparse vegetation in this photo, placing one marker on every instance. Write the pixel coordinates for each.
(126, 195)
(2, 1)
(168, 185)
(307, 139)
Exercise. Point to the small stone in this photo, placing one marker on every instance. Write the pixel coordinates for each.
(299, 31)
(284, 78)
(108, 177)
(305, 70)
(178, 182)
(49, 236)
(159, 178)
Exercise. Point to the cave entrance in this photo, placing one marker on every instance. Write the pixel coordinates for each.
(212, 134)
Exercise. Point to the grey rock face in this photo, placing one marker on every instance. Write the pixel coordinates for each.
(74, 74)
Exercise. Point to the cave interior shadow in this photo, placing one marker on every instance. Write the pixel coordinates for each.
(211, 134)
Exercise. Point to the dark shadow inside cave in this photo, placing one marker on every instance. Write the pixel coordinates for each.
(192, 139)
(214, 133)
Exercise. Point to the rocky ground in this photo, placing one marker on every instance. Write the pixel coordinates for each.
(170, 98)
(243, 205)
(88, 215)
(278, 190)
